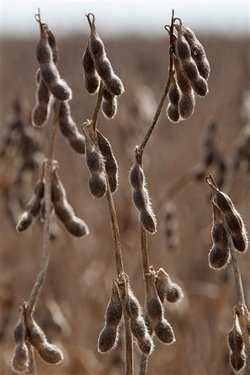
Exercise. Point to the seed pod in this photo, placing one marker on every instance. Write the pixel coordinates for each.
(187, 105)
(107, 339)
(173, 113)
(181, 79)
(49, 72)
(141, 198)
(94, 159)
(174, 293)
(218, 258)
(132, 305)
(200, 86)
(138, 327)
(198, 52)
(148, 220)
(111, 166)
(69, 129)
(92, 79)
(103, 66)
(233, 219)
(64, 211)
(164, 332)
(235, 340)
(52, 43)
(41, 111)
(48, 352)
(183, 50)
(109, 104)
(20, 360)
(174, 94)
(237, 361)
(32, 209)
(146, 345)
(114, 309)
(98, 185)
(153, 304)
(162, 283)
(174, 97)
(136, 176)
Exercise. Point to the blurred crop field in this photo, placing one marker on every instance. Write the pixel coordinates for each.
(72, 305)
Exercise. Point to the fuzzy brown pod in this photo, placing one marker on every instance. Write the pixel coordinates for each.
(49, 73)
(48, 352)
(197, 51)
(21, 358)
(173, 106)
(109, 104)
(107, 339)
(33, 207)
(69, 129)
(154, 305)
(76, 226)
(114, 309)
(41, 111)
(91, 80)
(141, 198)
(102, 64)
(110, 162)
(164, 332)
(232, 218)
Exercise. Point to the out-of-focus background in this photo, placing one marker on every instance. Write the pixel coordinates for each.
(74, 298)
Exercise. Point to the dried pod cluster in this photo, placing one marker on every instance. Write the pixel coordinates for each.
(121, 298)
(108, 337)
(97, 69)
(27, 331)
(171, 228)
(138, 325)
(166, 289)
(192, 70)
(76, 226)
(141, 197)
(228, 228)
(155, 313)
(237, 357)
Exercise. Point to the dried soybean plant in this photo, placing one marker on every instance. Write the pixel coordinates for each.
(188, 73)
(229, 237)
(49, 195)
(99, 77)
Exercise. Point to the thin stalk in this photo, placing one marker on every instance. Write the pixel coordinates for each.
(115, 232)
(237, 275)
(129, 367)
(138, 155)
(145, 264)
(46, 227)
(164, 92)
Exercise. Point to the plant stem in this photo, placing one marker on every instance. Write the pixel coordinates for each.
(115, 231)
(32, 364)
(145, 264)
(164, 92)
(237, 275)
(97, 108)
(46, 227)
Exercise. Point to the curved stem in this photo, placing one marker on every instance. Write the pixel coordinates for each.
(46, 227)
(164, 92)
(237, 275)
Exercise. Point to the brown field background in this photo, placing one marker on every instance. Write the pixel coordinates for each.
(79, 277)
